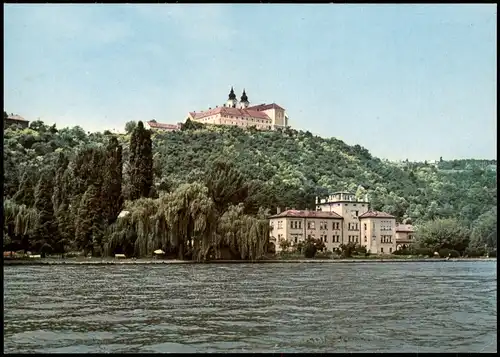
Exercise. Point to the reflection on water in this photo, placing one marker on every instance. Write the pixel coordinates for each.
(407, 307)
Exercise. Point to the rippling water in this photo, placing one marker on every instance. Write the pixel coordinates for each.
(406, 307)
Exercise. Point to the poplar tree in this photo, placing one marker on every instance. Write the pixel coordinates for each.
(111, 191)
(141, 163)
(46, 226)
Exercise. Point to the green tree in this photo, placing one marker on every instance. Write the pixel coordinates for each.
(141, 163)
(484, 231)
(130, 126)
(111, 193)
(444, 233)
(89, 227)
(226, 185)
(46, 228)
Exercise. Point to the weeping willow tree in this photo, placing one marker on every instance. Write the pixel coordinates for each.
(243, 233)
(20, 223)
(186, 223)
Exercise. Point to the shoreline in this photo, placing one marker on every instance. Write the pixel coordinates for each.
(112, 261)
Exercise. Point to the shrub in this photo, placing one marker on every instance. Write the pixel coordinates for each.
(348, 249)
(427, 252)
(45, 250)
(360, 250)
(448, 253)
(492, 253)
(474, 252)
(324, 255)
(309, 250)
(405, 251)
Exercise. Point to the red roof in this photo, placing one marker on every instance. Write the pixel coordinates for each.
(16, 117)
(376, 214)
(226, 111)
(154, 124)
(261, 107)
(307, 214)
(405, 228)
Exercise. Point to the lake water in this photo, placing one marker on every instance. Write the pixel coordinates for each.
(374, 307)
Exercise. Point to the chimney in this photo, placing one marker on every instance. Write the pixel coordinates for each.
(278, 210)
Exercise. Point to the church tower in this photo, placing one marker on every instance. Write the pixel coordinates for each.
(244, 101)
(231, 101)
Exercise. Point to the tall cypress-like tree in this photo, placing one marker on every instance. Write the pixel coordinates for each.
(25, 195)
(60, 193)
(141, 163)
(88, 228)
(46, 227)
(111, 191)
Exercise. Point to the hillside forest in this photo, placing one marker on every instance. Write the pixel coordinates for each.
(205, 192)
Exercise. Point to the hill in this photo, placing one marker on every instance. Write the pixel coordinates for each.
(294, 166)
(282, 168)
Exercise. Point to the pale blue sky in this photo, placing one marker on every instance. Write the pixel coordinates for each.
(404, 81)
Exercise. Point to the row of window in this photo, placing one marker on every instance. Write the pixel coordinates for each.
(323, 225)
(324, 238)
(352, 239)
(353, 226)
(386, 239)
(249, 119)
(336, 239)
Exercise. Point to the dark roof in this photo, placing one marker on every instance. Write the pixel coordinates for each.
(244, 97)
(307, 214)
(232, 96)
(376, 214)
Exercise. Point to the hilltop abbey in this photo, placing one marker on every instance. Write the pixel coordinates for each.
(237, 113)
(240, 113)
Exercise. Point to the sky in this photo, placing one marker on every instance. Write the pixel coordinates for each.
(413, 82)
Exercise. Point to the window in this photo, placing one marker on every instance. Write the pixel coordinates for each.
(364, 226)
(386, 239)
(381, 250)
(366, 239)
(311, 225)
(308, 236)
(390, 250)
(280, 224)
(296, 239)
(300, 224)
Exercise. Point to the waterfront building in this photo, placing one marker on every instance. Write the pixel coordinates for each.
(405, 235)
(240, 113)
(341, 218)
